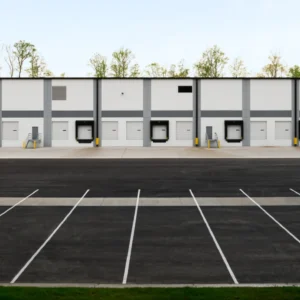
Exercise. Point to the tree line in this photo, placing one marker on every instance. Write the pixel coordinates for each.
(23, 59)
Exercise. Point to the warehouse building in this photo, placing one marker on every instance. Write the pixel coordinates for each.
(149, 112)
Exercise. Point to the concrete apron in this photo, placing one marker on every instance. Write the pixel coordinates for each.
(150, 152)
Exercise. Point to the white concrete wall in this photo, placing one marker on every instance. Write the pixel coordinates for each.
(25, 127)
(121, 133)
(79, 94)
(271, 141)
(218, 125)
(112, 98)
(22, 94)
(165, 96)
(71, 142)
(172, 134)
(221, 94)
(270, 94)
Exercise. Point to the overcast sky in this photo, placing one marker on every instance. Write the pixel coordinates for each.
(68, 32)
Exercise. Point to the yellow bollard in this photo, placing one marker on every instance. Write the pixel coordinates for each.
(34, 144)
(208, 144)
(196, 141)
(295, 141)
(97, 141)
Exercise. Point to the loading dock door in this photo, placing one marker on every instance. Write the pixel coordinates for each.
(258, 130)
(283, 130)
(159, 132)
(184, 130)
(234, 132)
(10, 131)
(134, 130)
(85, 132)
(60, 130)
(109, 130)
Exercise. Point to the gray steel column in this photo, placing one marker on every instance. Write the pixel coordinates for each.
(100, 111)
(47, 112)
(246, 110)
(0, 112)
(146, 112)
(199, 112)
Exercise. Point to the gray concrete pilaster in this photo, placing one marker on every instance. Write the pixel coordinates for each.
(146, 112)
(246, 110)
(47, 113)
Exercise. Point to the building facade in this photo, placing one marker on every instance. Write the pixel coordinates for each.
(149, 112)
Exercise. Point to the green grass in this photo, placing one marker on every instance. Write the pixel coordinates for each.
(31, 293)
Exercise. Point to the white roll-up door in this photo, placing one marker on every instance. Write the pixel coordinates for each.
(283, 130)
(85, 132)
(234, 132)
(10, 131)
(184, 130)
(134, 130)
(159, 132)
(258, 130)
(109, 130)
(60, 131)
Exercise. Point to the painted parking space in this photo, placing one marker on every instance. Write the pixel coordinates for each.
(22, 231)
(172, 245)
(257, 249)
(91, 247)
(288, 216)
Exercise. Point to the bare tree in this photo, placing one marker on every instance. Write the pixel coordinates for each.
(10, 59)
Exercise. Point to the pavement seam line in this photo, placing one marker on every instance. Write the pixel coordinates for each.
(131, 239)
(47, 240)
(18, 203)
(215, 240)
(269, 215)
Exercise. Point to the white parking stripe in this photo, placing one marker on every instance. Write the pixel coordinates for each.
(279, 224)
(17, 203)
(215, 240)
(47, 240)
(131, 239)
(295, 192)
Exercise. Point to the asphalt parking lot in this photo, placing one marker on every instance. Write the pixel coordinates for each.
(156, 177)
(221, 231)
(170, 244)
